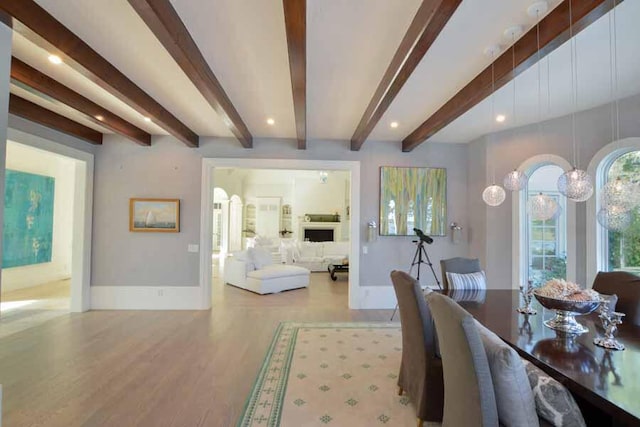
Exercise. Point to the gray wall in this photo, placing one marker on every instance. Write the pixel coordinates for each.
(491, 226)
(169, 169)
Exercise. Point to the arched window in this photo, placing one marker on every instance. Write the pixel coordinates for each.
(621, 249)
(546, 240)
(608, 160)
(543, 249)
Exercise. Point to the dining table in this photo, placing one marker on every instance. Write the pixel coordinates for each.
(605, 383)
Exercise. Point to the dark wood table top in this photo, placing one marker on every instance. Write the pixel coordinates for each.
(607, 379)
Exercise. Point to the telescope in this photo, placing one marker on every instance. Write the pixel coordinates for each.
(423, 237)
(420, 257)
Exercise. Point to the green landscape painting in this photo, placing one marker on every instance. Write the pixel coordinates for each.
(413, 198)
(28, 219)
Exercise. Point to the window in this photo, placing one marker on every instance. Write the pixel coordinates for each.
(623, 248)
(546, 240)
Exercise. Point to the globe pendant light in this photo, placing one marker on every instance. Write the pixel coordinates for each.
(542, 207)
(575, 184)
(516, 180)
(613, 218)
(493, 195)
(619, 193)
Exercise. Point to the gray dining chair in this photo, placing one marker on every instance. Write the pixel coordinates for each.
(627, 288)
(458, 265)
(469, 398)
(420, 369)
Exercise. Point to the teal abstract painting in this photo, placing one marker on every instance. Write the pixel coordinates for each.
(27, 237)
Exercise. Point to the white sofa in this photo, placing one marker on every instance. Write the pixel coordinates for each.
(315, 256)
(255, 271)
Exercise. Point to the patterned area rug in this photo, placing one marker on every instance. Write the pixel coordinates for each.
(330, 374)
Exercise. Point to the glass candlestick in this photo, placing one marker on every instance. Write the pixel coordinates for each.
(610, 322)
(527, 296)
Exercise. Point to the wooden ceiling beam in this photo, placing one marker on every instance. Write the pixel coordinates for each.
(35, 113)
(295, 19)
(430, 19)
(37, 25)
(554, 31)
(48, 88)
(166, 25)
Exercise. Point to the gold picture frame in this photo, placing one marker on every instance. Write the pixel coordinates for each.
(154, 215)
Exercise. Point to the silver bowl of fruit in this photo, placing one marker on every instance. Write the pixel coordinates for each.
(567, 300)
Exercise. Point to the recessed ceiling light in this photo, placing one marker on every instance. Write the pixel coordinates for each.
(55, 59)
(500, 118)
(271, 122)
(99, 117)
(147, 119)
(394, 124)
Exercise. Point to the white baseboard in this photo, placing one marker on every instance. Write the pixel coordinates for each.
(377, 297)
(146, 298)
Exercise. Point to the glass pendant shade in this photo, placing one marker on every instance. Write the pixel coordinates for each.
(619, 193)
(493, 195)
(575, 185)
(542, 207)
(614, 218)
(515, 180)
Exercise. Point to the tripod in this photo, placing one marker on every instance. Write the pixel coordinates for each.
(420, 257)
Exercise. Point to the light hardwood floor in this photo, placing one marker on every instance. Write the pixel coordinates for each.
(156, 368)
(25, 308)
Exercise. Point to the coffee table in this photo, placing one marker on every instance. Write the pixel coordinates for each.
(337, 268)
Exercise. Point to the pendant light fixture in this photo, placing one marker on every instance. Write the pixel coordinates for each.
(620, 196)
(614, 218)
(493, 195)
(515, 180)
(575, 184)
(542, 207)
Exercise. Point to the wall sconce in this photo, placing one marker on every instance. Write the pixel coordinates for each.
(456, 233)
(372, 231)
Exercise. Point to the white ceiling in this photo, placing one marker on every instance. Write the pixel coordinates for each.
(349, 46)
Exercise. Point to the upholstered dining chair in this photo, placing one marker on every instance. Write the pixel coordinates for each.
(469, 398)
(627, 287)
(458, 265)
(420, 369)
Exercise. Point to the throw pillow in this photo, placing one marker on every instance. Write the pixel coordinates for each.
(554, 403)
(260, 257)
(514, 398)
(467, 281)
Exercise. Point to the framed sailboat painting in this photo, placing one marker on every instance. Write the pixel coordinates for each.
(154, 215)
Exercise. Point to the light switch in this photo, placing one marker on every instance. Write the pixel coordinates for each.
(365, 250)
(193, 248)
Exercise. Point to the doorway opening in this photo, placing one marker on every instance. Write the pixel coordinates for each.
(46, 236)
(271, 204)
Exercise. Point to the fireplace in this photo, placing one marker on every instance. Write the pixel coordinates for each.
(318, 234)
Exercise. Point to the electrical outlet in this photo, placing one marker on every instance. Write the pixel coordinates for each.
(365, 250)
(193, 248)
(160, 292)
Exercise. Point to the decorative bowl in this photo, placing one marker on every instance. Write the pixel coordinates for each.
(566, 310)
